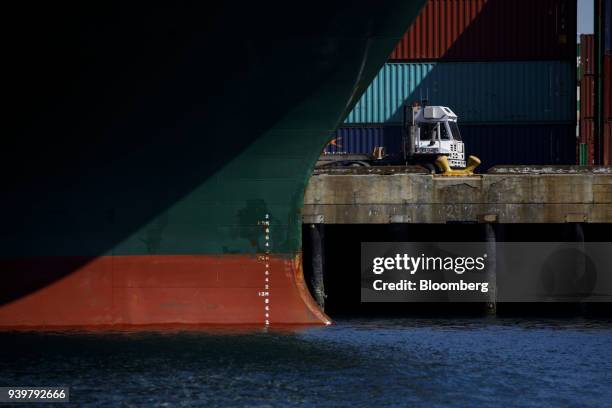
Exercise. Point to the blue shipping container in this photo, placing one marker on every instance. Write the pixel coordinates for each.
(478, 92)
(523, 144)
(363, 140)
(608, 26)
(493, 144)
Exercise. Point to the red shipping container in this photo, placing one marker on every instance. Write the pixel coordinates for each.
(587, 97)
(607, 143)
(607, 88)
(491, 30)
(587, 136)
(587, 54)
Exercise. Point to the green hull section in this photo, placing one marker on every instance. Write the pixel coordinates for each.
(174, 134)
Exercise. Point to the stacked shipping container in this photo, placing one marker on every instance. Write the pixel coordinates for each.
(596, 123)
(607, 28)
(507, 68)
(595, 141)
(478, 92)
(607, 84)
(586, 145)
(363, 139)
(607, 110)
(491, 30)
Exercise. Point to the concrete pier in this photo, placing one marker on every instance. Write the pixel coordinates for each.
(517, 194)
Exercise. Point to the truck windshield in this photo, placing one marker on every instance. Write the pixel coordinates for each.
(443, 132)
(455, 129)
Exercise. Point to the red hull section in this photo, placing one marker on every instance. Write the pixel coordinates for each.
(160, 290)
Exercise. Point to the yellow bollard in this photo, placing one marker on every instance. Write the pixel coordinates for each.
(472, 163)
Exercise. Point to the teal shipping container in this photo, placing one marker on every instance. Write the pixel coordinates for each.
(478, 92)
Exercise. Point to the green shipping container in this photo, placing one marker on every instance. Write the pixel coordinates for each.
(479, 92)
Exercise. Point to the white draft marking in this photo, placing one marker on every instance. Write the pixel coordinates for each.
(265, 293)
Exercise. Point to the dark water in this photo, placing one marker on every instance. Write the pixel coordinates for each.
(438, 362)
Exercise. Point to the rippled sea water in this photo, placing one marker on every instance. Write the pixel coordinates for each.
(356, 362)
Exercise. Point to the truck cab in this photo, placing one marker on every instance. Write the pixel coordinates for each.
(432, 131)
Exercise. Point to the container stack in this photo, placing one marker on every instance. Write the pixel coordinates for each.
(595, 141)
(607, 111)
(606, 87)
(578, 76)
(586, 144)
(506, 68)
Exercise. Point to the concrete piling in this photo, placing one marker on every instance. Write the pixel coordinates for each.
(316, 278)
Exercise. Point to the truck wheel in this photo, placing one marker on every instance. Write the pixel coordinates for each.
(359, 164)
(430, 167)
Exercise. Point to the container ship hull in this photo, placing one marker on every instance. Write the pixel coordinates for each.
(157, 158)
